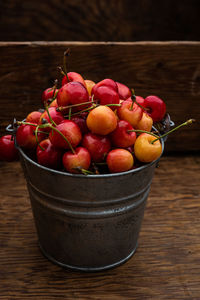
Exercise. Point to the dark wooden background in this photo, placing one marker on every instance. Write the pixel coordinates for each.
(99, 20)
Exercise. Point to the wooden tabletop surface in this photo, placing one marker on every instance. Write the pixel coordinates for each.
(165, 265)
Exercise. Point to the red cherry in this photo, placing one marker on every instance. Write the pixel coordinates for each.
(106, 95)
(56, 116)
(48, 94)
(73, 93)
(123, 91)
(119, 160)
(105, 82)
(79, 160)
(34, 117)
(71, 132)
(97, 145)
(8, 152)
(73, 76)
(81, 122)
(121, 137)
(26, 138)
(156, 107)
(50, 156)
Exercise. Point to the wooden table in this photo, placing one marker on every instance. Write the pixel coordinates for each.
(165, 265)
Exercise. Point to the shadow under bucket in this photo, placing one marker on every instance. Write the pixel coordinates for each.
(87, 223)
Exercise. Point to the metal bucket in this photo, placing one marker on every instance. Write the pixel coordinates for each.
(87, 223)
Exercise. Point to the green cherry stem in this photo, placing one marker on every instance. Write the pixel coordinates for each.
(188, 122)
(50, 118)
(143, 131)
(112, 104)
(36, 137)
(61, 108)
(133, 97)
(70, 113)
(48, 125)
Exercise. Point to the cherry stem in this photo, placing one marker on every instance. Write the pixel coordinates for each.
(61, 108)
(133, 98)
(188, 122)
(113, 104)
(84, 171)
(36, 137)
(48, 125)
(50, 118)
(84, 110)
(143, 131)
(70, 113)
(66, 54)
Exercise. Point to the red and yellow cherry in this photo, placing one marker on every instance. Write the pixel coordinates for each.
(106, 95)
(73, 76)
(8, 152)
(119, 160)
(26, 137)
(72, 93)
(145, 123)
(49, 94)
(48, 155)
(105, 82)
(130, 112)
(56, 116)
(156, 107)
(97, 145)
(54, 103)
(34, 117)
(75, 162)
(145, 150)
(101, 120)
(121, 137)
(89, 86)
(65, 135)
(123, 91)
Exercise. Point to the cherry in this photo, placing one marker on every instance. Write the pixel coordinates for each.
(105, 82)
(51, 115)
(26, 137)
(130, 112)
(81, 122)
(48, 155)
(123, 91)
(89, 86)
(101, 120)
(49, 94)
(145, 150)
(33, 117)
(106, 95)
(97, 145)
(78, 161)
(145, 123)
(70, 135)
(72, 93)
(119, 160)
(121, 137)
(73, 76)
(8, 152)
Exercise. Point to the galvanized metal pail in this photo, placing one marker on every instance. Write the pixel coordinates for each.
(87, 223)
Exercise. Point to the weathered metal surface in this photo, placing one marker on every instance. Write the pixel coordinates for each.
(87, 223)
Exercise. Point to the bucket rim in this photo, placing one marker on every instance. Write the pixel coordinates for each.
(95, 176)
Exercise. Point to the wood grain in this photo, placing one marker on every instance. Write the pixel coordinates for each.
(99, 20)
(165, 265)
(170, 70)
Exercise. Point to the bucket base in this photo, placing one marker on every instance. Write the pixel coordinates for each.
(87, 269)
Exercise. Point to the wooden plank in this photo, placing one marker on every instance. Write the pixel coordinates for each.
(170, 70)
(96, 20)
(165, 266)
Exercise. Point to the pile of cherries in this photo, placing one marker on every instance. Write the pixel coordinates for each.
(89, 128)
